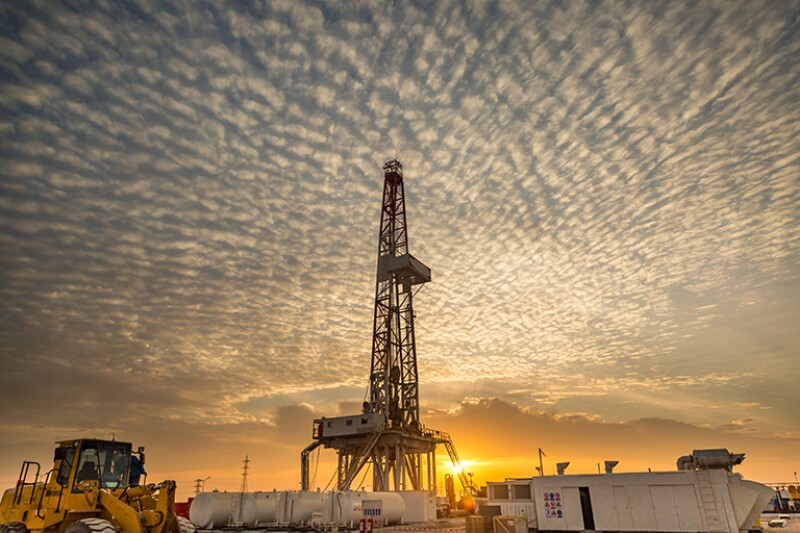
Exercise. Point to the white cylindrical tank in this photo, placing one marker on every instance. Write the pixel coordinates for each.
(351, 506)
(259, 508)
(242, 506)
(215, 510)
(211, 510)
(297, 507)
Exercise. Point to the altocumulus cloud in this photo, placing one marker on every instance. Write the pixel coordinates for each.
(607, 194)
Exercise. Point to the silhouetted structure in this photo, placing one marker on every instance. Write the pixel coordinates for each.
(388, 435)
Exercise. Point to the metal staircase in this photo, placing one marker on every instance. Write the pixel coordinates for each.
(456, 460)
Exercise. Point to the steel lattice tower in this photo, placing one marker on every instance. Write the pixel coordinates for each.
(388, 436)
(393, 378)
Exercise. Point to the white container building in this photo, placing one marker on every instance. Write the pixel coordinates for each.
(698, 499)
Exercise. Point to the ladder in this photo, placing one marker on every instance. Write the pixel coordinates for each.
(709, 502)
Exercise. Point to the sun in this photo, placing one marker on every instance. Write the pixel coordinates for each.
(464, 466)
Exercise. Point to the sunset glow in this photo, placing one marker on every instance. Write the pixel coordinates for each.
(607, 195)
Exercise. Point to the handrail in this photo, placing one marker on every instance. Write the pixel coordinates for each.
(61, 489)
(44, 489)
(22, 482)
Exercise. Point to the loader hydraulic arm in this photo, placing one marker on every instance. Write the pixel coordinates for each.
(128, 518)
(165, 506)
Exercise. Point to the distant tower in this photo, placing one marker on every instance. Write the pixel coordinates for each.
(245, 468)
(200, 485)
(388, 436)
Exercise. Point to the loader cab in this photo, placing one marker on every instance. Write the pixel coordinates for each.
(107, 462)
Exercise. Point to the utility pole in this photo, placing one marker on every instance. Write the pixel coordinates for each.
(244, 473)
(197, 485)
(541, 463)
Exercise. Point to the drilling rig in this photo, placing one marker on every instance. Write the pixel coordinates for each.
(388, 436)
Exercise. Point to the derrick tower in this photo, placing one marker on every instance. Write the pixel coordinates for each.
(388, 437)
(393, 378)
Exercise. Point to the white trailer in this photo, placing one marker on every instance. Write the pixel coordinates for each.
(701, 500)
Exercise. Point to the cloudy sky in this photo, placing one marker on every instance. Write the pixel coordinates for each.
(608, 194)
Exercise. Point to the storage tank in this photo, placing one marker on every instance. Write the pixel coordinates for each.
(215, 510)
(351, 506)
(259, 508)
(297, 507)
(211, 510)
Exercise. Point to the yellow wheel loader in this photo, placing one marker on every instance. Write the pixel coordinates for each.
(90, 489)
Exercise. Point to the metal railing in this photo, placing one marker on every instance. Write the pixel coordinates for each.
(22, 482)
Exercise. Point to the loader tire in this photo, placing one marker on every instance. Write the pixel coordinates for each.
(90, 525)
(14, 527)
(186, 525)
